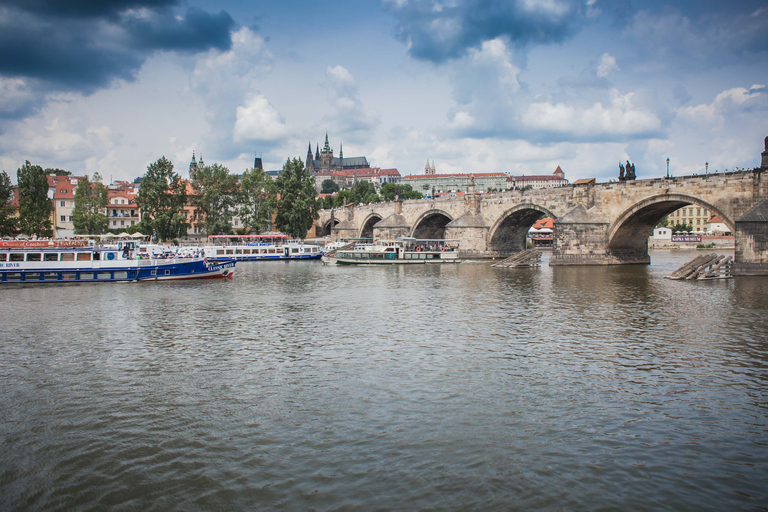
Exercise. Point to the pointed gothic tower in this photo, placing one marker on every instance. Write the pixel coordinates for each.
(309, 164)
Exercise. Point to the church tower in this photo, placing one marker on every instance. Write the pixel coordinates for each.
(326, 155)
(309, 164)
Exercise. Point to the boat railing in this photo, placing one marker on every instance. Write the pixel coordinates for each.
(164, 261)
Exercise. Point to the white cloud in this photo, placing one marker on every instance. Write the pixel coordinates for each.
(606, 65)
(620, 117)
(348, 114)
(724, 103)
(258, 120)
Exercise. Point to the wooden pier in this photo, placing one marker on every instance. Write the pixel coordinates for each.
(706, 266)
(527, 258)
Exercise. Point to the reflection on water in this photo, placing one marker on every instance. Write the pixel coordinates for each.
(299, 386)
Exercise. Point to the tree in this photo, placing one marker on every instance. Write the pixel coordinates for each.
(90, 203)
(216, 196)
(7, 221)
(35, 208)
(341, 198)
(361, 191)
(257, 200)
(162, 195)
(57, 172)
(329, 187)
(297, 204)
(406, 192)
(663, 223)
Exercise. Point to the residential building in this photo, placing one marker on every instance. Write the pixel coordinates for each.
(716, 225)
(556, 179)
(122, 210)
(696, 216)
(455, 182)
(61, 191)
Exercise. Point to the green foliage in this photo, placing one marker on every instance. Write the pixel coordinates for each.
(329, 187)
(7, 221)
(216, 196)
(258, 194)
(683, 227)
(361, 192)
(90, 201)
(341, 198)
(406, 192)
(663, 223)
(162, 195)
(35, 207)
(57, 172)
(297, 205)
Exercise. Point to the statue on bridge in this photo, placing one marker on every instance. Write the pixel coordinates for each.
(628, 172)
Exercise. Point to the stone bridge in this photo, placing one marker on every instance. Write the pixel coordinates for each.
(595, 223)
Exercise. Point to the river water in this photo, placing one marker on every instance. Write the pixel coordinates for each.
(298, 386)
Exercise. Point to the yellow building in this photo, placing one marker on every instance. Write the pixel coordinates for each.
(696, 216)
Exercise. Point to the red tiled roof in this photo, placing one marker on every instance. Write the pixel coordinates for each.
(457, 175)
(715, 219)
(546, 222)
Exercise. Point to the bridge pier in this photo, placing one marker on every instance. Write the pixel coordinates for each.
(751, 255)
(581, 238)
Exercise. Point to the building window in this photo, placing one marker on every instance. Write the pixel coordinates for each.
(122, 201)
(63, 204)
(122, 223)
(70, 218)
(63, 218)
(698, 211)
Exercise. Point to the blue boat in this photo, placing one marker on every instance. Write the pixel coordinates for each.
(57, 261)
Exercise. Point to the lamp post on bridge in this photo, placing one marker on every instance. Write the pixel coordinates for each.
(706, 167)
(667, 167)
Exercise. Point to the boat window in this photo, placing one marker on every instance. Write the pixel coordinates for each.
(86, 276)
(3, 257)
(32, 276)
(294, 250)
(104, 275)
(68, 276)
(51, 256)
(67, 256)
(239, 251)
(16, 256)
(96, 256)
(51, 276)
(83, 256)
(220, 251)
(34, 256)
(13, 276)
(121, 275)
(167, 272)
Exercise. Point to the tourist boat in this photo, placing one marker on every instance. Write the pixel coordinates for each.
(399, 251)
(331, 248)
(259, 247)
(56, 261)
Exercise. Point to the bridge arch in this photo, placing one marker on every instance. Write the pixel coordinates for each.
(508, 234)
(630, 231)
(367, 230)
(431, 224)
(325, 228)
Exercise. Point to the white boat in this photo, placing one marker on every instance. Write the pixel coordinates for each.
(331, 248)
(260, 247)
(56, 261)
(401, 251)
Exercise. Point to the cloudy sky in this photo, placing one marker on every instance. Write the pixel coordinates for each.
(518, 86)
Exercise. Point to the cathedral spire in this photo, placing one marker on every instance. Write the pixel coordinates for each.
(327, 147)
(341, 151)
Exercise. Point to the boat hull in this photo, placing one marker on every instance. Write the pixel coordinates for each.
(125, 270)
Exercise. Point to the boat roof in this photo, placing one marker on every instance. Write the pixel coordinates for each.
(249, 237)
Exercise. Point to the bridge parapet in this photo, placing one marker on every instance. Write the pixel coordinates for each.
(598, 223)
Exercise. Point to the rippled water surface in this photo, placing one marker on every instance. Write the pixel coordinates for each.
(303, 387)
